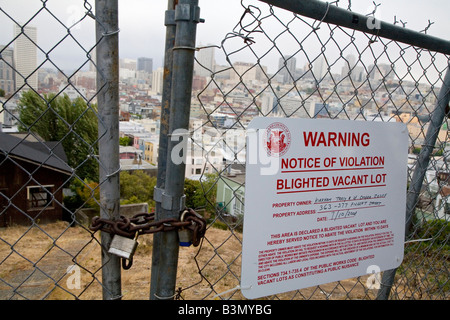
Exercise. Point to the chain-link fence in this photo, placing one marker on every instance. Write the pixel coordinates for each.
(285, 64)
(49, 162)
(61, 167)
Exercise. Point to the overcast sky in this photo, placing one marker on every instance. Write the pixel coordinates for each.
(142, 30)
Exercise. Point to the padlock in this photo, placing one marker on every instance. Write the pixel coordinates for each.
(185, 235)
(123, 247)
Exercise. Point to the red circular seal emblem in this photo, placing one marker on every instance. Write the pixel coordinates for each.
(277, 139)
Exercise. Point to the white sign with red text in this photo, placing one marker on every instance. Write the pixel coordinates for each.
(324, 201)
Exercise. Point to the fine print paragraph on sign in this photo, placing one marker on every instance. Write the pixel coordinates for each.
(324, 201)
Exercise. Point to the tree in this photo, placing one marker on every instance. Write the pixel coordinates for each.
(201, 194)
(194, 196)
(73, 122)
(137, 187)
(89, 192)
(125, 141)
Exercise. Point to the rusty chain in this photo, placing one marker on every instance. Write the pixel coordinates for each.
(144, 223)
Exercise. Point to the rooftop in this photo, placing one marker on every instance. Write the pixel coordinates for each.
(46, 154)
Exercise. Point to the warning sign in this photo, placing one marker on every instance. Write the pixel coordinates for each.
(324, 201)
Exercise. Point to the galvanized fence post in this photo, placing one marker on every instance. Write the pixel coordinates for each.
(419, 174)
(163, 135)
(107, 28)
(186, 17)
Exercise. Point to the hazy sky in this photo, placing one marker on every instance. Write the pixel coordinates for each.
(142, 30)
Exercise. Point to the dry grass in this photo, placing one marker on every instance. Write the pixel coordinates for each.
(34, 262)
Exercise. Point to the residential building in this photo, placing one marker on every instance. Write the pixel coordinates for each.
(151, 150)
(247, 72)
(72, 92)
(127, 63)
(230, 198)
(9, 113)
(202, 160)
(129, 152)
(138, 164)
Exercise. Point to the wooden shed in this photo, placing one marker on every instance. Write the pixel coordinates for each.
(32, 177)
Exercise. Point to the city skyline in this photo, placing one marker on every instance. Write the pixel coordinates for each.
(142, 30)
(302, 69)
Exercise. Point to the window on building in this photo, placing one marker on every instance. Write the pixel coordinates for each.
(40, 196)
(239, 204)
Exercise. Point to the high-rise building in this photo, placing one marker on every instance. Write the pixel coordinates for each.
(267, 104)
(349, 64)
(353, 70)
(7, 70)
(93, 60)
(157, 81)
(382, 71)
(205, 62)
(320, 68)
(25, 57)
(145, 64)
(127, 63)
(287, 66)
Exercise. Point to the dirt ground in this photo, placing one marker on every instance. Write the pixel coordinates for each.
(35, 264)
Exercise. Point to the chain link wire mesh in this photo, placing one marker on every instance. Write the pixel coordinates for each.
(273, 63)
(49, 168)
(280, 64)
